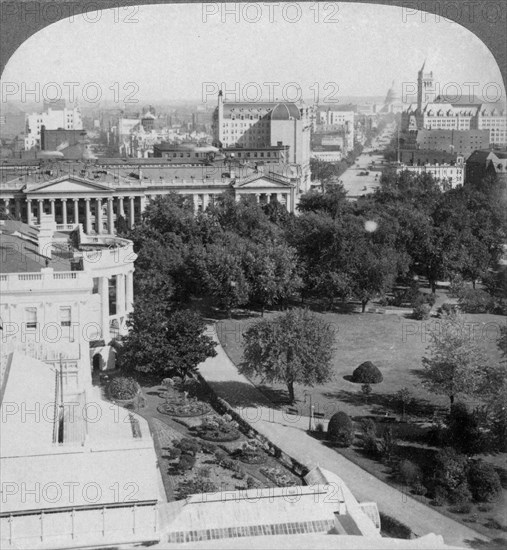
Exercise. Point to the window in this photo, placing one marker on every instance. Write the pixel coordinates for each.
(65, 315)
(31, 317)
(95, 289)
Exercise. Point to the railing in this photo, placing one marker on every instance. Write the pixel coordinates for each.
(65, 275)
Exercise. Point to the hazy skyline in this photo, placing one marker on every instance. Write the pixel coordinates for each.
(170, 52)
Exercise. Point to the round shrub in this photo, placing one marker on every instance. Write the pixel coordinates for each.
(186, 463)
(447, 309)
(367, 373)
(123, 388)
(421, 312)
(340, 429)
(409, 472)
(484, 482)
(187, 446)
(476, 301)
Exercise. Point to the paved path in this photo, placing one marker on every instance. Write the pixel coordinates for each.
(289, 434)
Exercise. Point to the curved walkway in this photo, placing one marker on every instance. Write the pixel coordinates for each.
(289, 434)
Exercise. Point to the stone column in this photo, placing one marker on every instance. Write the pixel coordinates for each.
(258, 197)
(52, 204)
(194, 202)
(104, 297)
(205, 199)
(132, 212)
(40, 210)
(29, 219)
(76, 210)
(142, 200)
(110, 213)
(279, 197)
(130, 291)
(121, 210)
(64, 211)
(88, 217)
(7, 209)
(98, 215)
(120, 293)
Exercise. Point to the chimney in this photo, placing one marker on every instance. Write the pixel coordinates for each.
(45, 237)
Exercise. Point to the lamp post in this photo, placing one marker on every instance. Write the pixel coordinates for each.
(311, 420)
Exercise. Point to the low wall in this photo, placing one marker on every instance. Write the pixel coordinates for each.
(223, 407)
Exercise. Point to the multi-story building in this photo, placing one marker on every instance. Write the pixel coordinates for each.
(432, 112)
(98, 193)
(65, 119)
(262, 124)
(339, 118)
(482, 163)
(61, 291)
(461, 142)
(448, 170)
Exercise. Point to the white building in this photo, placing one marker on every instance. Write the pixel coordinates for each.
(66, 119)
(64, 297)
(448, 175)
(76, 471)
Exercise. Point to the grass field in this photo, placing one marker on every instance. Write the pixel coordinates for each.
(394, 343)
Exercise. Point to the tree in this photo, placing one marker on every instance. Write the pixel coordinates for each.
(164, 342)
(333, 201)
(456, 364)
(464, 431)
(404, 398)
(340, 429)
(293, 348)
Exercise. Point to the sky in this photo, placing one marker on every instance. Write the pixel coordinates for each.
(186, 52)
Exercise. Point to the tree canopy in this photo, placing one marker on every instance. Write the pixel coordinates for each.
(293, 348)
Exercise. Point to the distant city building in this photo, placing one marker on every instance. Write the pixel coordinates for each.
(447, 169)
(65, 119)
(392, 103)
(261, 125)
(339, 118)
(482, 163)
(462, 142)
(435, 113)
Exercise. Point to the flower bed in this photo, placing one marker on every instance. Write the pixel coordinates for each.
(251, 453)
(184, 410)
(218, 429)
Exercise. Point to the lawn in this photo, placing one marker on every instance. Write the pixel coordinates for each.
(395, 344)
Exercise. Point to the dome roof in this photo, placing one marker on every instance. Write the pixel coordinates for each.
(285, 111)
(393, 94)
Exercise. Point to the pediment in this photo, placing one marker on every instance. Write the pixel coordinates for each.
(68, 184)
(263, 182)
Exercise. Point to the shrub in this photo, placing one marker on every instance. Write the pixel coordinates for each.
(123, 388)
(174, 453)
(204, 472)
(208, 447)
(419, 489)
(319, 428)
(251, 483)
(228, 464)
(484, 482)
(460, 494)
(409, 472)
(369, 437)
(463, 430)
(340, 429)
(450, 473)
(367, 373)
(447, 309)
(476, 301)
(194, 486)
(393, 528)
(419, 299)
(457, 286)
(387, 445)
(464, 508)
(186, 463)
(188, 446)
(421, 312)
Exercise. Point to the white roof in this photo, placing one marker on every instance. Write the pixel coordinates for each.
(100, 454)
